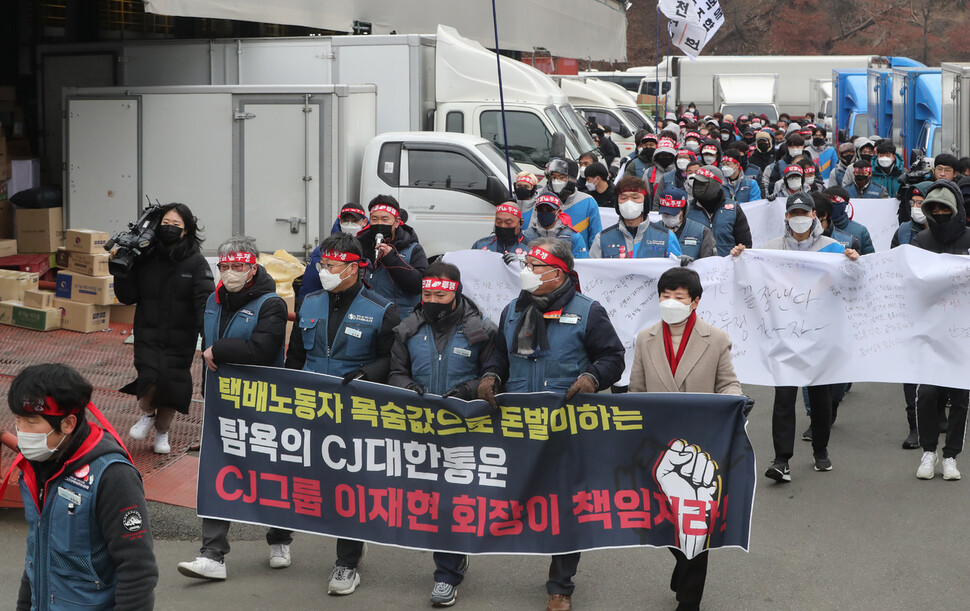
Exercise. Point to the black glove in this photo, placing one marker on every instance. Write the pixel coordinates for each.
(748, 406)
(510, 258)
(416, 388)
(685, 260)
(357, 374)
(462, 391)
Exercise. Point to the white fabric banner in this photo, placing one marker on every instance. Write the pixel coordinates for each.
(767, 219)
(691, 23)
(795, 318)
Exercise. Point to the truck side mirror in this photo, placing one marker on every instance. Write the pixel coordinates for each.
(558, 148)
(495, 191)
(624, 131)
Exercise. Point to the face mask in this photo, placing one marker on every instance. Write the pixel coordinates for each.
(810, 180)
(646, 154)
(329, 280)
(706, 191)
(794, 152)
(917, 214)
(861, 181)
(582, 171)
(725, 137)
(529, 280)
(169, 234)
(692, 146)
(505, 234)
(34, 445)
(847, 160)
(886, 162)
(557, 185)
(941, 218)
(674, 312)
(764, 146)
(794, 184)
(384, 230)
(350, 228)
(748, 140)
(817, 142)
(523, 193)
(710, 159)
(234, 281)
(670, 221)
(664, 159)
(682, 163)
(436, 311)
(867, 157)
(800, 224)
(728, 170)
(631, 210)
(546, 219)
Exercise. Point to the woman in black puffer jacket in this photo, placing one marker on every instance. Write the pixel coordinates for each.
(170, 286)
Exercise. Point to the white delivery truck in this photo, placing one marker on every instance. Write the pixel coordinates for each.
(820, 102)
(626, 101)
(273, 162)
(738, 94)
(592, 103)
(425, 82)
(956, 108)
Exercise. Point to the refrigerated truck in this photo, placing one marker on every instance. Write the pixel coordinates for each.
(955, 98)
(738, 94)
(850, 101)
(880, 103)
(917, 111)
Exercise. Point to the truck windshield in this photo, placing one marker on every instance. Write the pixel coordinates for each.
(860, 127)
(650, 87)
(497, 157)
(638, 118)
(578, 128)
(572, 146)
(529, 140)
(737, 110)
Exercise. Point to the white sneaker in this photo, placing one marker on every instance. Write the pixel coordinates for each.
(343, 581)
(927, 465)
(203, 568)
(140, 430)
(161, 443)
(279, 556)
(950, 469)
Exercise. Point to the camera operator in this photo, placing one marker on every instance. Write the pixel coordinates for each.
(170, 285)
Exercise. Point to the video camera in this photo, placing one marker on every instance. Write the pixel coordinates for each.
(919, 169)
(137, 240)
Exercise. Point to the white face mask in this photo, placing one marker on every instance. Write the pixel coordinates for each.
(728, 170)
(557, 185)
(582, 171)
(810, 180)
(529, 280)
(692, 146)
(682, 163)
(670, 221)
(631, 210)
(800, 224)
(917, 214)
(794, 152)
(709, 159)
(794, 184)
(350, 228)
(329, 280)
(886, 162)
(234, 281)
(674, 312)
(725, 137)
(34, 445)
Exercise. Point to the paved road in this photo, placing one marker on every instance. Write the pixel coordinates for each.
(867, 535)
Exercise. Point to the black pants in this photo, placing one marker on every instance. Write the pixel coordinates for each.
(562, 568)
(783, 419)
(928, 399)
(688, 578)
(447, 568)
(349, 552)
(909, 394)
(215, 538)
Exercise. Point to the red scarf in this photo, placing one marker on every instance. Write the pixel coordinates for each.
(674, 359)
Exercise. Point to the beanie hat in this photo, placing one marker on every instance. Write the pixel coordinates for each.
(763, 135)
(666, 145)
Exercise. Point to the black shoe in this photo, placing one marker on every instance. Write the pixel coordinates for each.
(912, 442)
(807, 435)
(822, 462)
(779, 471)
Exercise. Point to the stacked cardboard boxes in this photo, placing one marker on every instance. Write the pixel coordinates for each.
(85, 288)
(23, 305)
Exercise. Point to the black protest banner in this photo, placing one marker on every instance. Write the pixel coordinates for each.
(298, 450)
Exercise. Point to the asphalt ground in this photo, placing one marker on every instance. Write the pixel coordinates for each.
(867, 535)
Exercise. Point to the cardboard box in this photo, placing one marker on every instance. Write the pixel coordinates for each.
(82, 317)
(99, 290)
(16, 314)
(38, 299)
(13, 284)
(86, 241)
(82, 262)
(8, 248)
(122, 313)
(6, 215)
(62, 257)
(39, 230)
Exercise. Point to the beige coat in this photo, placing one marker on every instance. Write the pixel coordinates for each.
(705, 366)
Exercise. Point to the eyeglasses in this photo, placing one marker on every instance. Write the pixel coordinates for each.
(236, 267)
(533, 266)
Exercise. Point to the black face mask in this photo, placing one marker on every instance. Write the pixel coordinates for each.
(764, 146)
(748, 139)
(865, 157)
(546, 219)
(169, 234)
(941, 218)
(646, 154)
(663, 159)
(523, 193)
(384, 230)
(847, 160)
(861, 181)
(506, 234)
(817, 142)
(434, 312)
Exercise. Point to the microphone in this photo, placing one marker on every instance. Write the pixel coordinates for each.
(377, 242)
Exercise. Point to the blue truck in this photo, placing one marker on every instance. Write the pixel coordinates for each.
(880, 106)
(851, 103)
(917, 111)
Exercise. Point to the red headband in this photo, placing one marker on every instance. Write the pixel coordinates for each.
(49, 408)
(385, 208)
(839, 199)
(238, 257)
(708, 175)
(551, 200)
(509, 208)
(794, 169)
(334, 255)
(547, 257)
(865, 170)
(668, 201)
(528, 179)
(439, 284)
(632, 190)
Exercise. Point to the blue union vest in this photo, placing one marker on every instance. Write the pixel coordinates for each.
(242, 324)
(355, 344)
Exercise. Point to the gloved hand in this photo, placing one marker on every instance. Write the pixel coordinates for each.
(584, 383)
(748, 406)
(356, 374)
(685, 260)
(416, 388)
(511, 258)
(461, 392)
(486, 390)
